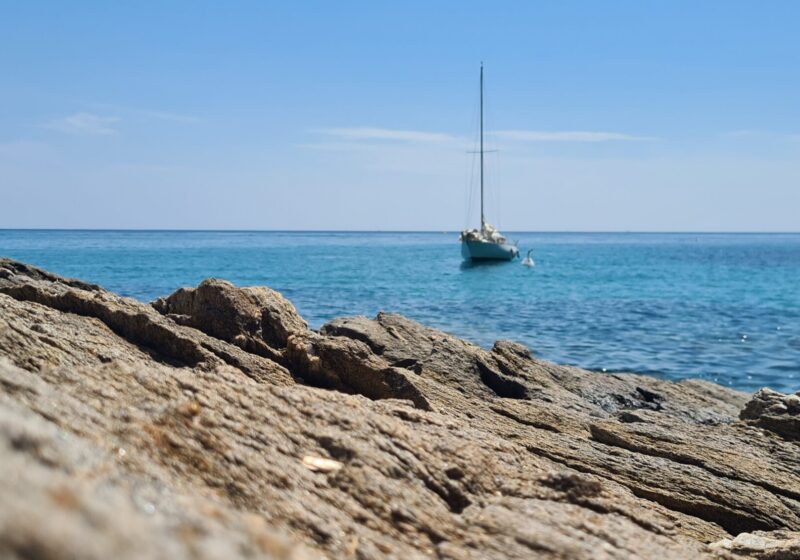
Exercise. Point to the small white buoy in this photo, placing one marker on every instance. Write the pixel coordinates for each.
(528, 260)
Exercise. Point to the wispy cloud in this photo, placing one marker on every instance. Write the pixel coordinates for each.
(568, 136)
(366, 134)
(167, 116)
(743, 133)
(756, 134)
(385, 134)
(84, 124)
(132, 113)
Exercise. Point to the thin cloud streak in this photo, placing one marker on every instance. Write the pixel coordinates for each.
(569, 136)
(744, 133)
(86, 124)
(134, 112)
(386, 134)
(166, 116)
(367, 134)
(755, 134)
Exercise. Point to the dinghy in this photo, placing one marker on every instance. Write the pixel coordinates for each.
(528, 260)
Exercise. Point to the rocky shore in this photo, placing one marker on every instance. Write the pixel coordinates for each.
(214, 424)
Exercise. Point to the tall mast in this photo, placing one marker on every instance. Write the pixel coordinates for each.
(482, 219)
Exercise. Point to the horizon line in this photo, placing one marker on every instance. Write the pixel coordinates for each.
(445, 231)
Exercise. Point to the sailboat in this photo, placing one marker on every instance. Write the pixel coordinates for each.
(485, 244)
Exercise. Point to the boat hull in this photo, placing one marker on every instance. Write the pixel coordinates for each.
(487, 251)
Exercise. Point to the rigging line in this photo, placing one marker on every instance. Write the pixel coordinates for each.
(470, 192)
(490, 172)
(470, 174)
(474, 161)
(483, 221)
(472, 179)
(494, 175)
(492, 179)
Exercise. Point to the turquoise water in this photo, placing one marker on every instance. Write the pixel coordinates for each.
(722, 307)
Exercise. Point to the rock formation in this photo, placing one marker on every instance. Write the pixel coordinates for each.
(257, 319)
(774, 411)
(214, 424)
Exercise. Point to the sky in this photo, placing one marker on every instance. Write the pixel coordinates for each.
(605, 116)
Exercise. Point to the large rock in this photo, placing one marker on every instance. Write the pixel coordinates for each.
(237, 315)
(128, 433)
(131, 320)
(774, 411)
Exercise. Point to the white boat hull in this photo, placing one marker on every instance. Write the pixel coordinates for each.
(487, 251)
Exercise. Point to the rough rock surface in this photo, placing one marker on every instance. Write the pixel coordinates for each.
(135, 322)
(775, 412)
(218, 426)
(777, 545)
(248, 317)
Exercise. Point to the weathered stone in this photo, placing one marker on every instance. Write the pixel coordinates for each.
(124, 433)
(224, 311)
(774, 411)
(133, 321)
(774, 545)
(348, 365)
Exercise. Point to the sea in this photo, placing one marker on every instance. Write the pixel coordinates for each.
(719, 307)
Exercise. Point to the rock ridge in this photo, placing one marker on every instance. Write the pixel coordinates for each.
(214, 423)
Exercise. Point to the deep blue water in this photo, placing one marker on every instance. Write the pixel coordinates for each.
(722, 307)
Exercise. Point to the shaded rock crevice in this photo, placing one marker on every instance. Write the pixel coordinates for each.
(532, 423)
(502, 385)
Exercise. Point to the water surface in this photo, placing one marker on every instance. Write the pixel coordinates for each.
(722, 307)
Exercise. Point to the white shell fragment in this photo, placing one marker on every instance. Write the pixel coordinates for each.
(320, 464)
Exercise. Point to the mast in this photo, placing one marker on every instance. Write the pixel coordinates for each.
(482, 219)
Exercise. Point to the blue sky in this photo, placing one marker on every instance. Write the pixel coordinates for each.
(649, 116)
